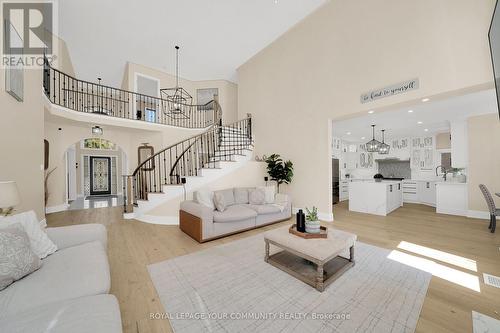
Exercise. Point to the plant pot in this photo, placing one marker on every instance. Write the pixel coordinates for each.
(313, 227)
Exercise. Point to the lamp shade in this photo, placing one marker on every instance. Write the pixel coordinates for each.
(9, 194)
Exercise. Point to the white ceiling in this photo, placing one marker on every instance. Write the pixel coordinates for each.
(435, 117)
(215, 36)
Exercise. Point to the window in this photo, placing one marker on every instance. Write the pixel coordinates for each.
(98, 143)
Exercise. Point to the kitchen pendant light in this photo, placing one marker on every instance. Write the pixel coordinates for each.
(384, 147)
(373, 145)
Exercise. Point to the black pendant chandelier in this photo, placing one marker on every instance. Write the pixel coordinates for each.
(384, 147)
(373, 145)
(176, 100)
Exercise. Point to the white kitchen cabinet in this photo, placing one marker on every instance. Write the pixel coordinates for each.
(422, 153)
(427, 192)
(451, 198)
(344, 190)
(410, 191)
(352, 160)
(459, 154)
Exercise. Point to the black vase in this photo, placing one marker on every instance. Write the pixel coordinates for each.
(301, 221)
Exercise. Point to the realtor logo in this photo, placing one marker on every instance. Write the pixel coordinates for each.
(28, 28)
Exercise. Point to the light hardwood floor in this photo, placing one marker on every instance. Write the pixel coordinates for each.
(447, 308)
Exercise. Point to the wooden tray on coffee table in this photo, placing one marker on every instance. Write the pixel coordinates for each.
(322, 234)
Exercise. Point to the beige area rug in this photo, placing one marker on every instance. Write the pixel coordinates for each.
(229, 288)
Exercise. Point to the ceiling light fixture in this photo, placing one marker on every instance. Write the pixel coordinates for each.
(178, 100)
(96, 130)
(419, 122)
(362, 138)
(410, 111)
(425, 100)
(426, 130)
(371, 111)
(373, 145)
(348, 133)
(384, 147)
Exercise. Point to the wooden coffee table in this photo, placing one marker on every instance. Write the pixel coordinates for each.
(317, 262)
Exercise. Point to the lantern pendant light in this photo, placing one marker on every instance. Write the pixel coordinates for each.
(373, 145)
(384, 147)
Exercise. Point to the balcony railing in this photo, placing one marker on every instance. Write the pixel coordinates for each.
(88, 97)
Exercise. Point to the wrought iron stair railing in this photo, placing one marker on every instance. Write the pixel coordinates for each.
(83, 96)
(186, 158)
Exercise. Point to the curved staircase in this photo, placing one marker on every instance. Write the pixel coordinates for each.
(187, 166)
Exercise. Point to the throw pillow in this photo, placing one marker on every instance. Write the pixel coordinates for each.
(228, 196)
(241, 195)
(40, 242)
(205, 197)
(16, 257)
(270, 193)
(220, 201)
(257, 197)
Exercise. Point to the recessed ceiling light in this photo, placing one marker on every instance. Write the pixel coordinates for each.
(425, 100)
(426, 130)
(362, 138)
(419, 122)
(371, 111)
(410, 111)
(348, 133)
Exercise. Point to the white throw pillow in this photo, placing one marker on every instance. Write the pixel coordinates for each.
(257, 196)
(205, 197)
(39, 241)
(269, 193)
(17, 259)
(220, 201)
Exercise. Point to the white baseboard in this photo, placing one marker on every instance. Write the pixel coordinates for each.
(326, 217)
(55, 209)
(478, 214)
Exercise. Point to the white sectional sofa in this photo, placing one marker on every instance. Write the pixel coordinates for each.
(204, 223)
(69, 292)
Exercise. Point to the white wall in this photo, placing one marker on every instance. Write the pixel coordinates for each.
(319, 68)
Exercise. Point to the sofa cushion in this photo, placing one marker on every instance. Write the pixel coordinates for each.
(223, 199)
(92, 314)
(40, 243)
(17, 259)
(241, 194)
(256, 197)
(204, 197)
(266, 209)
(73, 272)
(234, 213)
(270, 193)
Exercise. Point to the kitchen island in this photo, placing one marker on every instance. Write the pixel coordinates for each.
(378, 198)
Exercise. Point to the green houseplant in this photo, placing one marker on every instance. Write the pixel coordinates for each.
(312, 221)
(279, 171)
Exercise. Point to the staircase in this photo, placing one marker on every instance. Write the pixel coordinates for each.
(187, 165)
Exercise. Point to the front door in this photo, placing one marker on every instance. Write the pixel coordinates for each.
(100, 175)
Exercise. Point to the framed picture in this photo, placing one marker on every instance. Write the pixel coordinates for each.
(203, 96)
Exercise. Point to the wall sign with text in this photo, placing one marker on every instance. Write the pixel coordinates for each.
(392, 90)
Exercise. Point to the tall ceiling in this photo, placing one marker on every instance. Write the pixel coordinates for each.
(215, 36)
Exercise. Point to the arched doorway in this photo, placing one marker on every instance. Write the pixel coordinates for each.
(94, 169)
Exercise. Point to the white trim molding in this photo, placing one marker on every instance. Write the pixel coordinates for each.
(478, 214)
(55, 209)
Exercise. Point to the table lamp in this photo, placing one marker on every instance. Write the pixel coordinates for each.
(9, 197)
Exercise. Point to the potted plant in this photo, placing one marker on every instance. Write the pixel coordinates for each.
(279, 171)
(312, 221)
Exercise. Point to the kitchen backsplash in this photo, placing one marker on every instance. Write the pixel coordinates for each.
(395, 169)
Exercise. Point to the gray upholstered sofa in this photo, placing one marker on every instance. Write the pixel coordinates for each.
(69, 292)
(204, 223)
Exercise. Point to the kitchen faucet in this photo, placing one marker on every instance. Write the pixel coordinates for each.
(443, 170)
